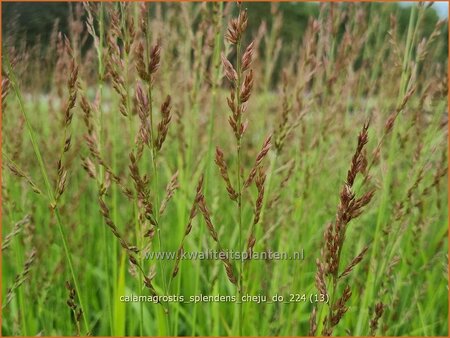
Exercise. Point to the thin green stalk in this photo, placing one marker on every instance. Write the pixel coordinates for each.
(196, 285)
(50, 196)
(115, 199)
(137, 228)
(155, 182)
(101, 71)
(181, 211)
(216, 64)
(156, 196)
(273, 161)
(19, 262)
(208, 163)
(134, 206)
(383, 209)
(238, 145)
(241, 263)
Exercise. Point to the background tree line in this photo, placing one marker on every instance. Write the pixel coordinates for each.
(29, 25)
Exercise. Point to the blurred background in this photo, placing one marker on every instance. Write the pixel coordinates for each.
(320, 71)
(32, 26)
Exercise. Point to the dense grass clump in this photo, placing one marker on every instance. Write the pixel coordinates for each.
(147, 130)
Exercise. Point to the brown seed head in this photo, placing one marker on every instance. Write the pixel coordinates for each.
(229, 70)
(224, 173)
(155, 56)
(248, 56)
(163, 126)
(247, 87)
(140, 63)
(236, 27)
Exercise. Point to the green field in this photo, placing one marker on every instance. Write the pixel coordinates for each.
(187, 128)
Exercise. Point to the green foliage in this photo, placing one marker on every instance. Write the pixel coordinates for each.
(335, 83)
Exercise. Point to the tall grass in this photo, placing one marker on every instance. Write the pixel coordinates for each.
(178, 128)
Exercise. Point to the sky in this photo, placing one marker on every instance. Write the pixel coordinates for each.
(440, 6)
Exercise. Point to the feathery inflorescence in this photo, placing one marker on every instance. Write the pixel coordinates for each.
(71, 303)
(220, 161)
(163, 126)
(374, 322)
(20, 278)
(72, 87)
(213, 233)
(192, 214)
(86, 117)
(17, 228)
(16, 171)
(350, 207)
